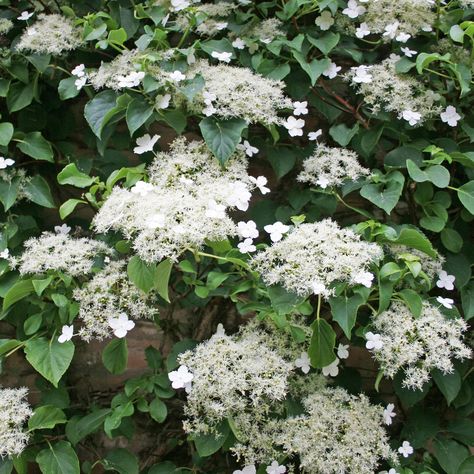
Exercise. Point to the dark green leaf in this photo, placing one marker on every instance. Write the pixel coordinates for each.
(344, 311)
(46, 417)
(39, 192)
(96, 110)
(321, 348)
(141, 274)
(449, 454)
(449, 384)
(59, 458)
(115, 356)
(138, 112)
(35, 145)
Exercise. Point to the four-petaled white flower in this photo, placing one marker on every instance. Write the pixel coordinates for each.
(364, 278)
(391, 29)
(362, 75)
(248, 229)
(177, 76)
(343, 351)
(402, 37)
(374, 341)
(5, 254)
(391, 471)
(405, 449)
(145, 143)
(80, 82)
(332, 369)
(156, 221)
(142, 188)
(353, 9)
(301, 108)
(162, 101)
(362, 30)
(239, 196)
(66, 334)
(312, 136)
(318, 287)
(121, 325)
(62, 229)
(248, 148)
(6, 162)
(246, 470)
(445, 281)
(294, 126)
(178, 5)
(303, 363)
(79, 70)
(446, 302)
(275, 468)
(260, 182)
(276, 230)
(450, 116)
(224, 56)
(180, 378)
(409, 53)
(325, 20)
(238, 43)
(389, 413)
(131, 80)
(246, 246)
(214, 210)
(25, 16)
(323, 182)
(332, 70)
(221, 25)
(411, 117)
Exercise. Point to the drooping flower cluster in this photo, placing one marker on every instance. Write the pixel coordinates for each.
(109, 294)
(238, 92)
(60, 252)
(51, 34)
(338, 433)
(14, 411)
(314, 256)
(184, 203)
(329, 166)
(398, 93)
(418, 345)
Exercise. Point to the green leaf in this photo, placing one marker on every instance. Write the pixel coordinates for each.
(67, 88)
(141, 274)
(422, 425)
(462, 430)
(138, 112)
(344, 311)
(115, 356)
(59, 458)
(385, 195)
(452, 240)
(97, 109)
(175, 119)
(9, 192)
(20, 96)
(162, 278)
(342, 134)
(46, 417)
(117, 36)
(466, 196)
(192, 87)
(314, 69)
(466, 467)
(321, 348)
(70, 174)
(283, 302)
(35, 145)
(68, 207)
(449, 454)
(449, 384)
(6, 133)
(50, 358)
(436, 174)
(325, 43)
(158, 410)
(39, 192)
(413, 238)
(413, 301)
(79, 429)
(222, 136)
(207, 444)
(220, 46)
(423, 60)
(122, 461)
(18, 291)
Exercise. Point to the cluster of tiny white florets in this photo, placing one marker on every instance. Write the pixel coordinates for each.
(395, 20)
(107, 295)
(314, 256)
(339, 433)
(51, 34)
(14, 411)
(184, 203)
(330, 166)
(384, 89)
(466, 3)
(418, 345)
(210, 18)
(238, 92)
(265, 31)
(5, 26)
(60, 252)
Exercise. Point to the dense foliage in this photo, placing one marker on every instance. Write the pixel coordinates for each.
(283, 189)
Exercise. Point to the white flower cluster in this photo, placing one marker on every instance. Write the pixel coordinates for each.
(51, 34)
(14, 411)
(338, 433)
(238, 92)
(5, 26)
(108, 294)
(418, 345)
(314, 256)
(60, 252)
(265, 30)
(184, 203)
(329, 166)
(397, 21)
(399, 93)
(210, 18)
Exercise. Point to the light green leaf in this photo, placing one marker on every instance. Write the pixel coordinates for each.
(115, 356)
(207, 444)
(68, 206)
(162, 278)
(59, 458)
(9, 192)
(67, 88)
(158, 410)
(385, 195)
(342, 134)
(78, 429)
(70, 174)
(18, 291)
(46, 417)
(6, 133)
(141, 274)
(466, 196)
(35, 145)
